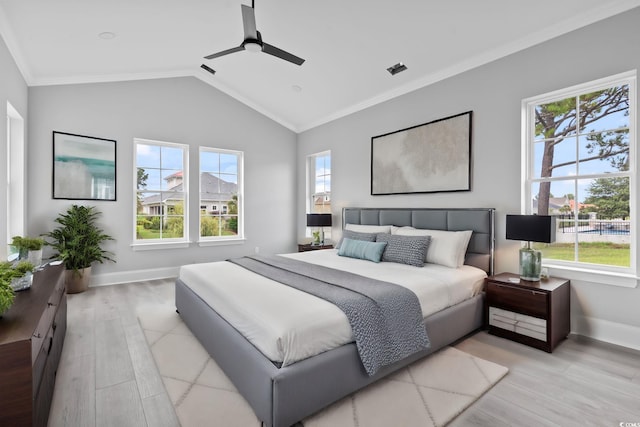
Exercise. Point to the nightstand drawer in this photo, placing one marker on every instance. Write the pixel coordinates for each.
(519, 323)
(527, 301)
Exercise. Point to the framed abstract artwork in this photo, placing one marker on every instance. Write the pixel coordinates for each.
(428, 158)
(84, 167)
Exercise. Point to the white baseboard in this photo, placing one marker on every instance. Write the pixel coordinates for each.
(604, 330)
(133, 276)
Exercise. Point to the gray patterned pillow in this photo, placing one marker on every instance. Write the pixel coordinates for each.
(410, 250)
(355, 235)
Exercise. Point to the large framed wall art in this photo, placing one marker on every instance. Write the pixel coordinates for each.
(84, 167)
(427, 158)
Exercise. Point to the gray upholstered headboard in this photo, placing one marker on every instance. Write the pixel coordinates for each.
(481, 221)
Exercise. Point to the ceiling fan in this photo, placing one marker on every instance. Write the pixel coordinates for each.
(253, 40)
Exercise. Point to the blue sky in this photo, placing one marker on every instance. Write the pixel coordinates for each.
(160, 162)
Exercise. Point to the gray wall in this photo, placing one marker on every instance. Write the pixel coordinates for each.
(494, 92)
(181, 110)
(13, 88)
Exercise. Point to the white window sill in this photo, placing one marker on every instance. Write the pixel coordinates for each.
(221, 242)
(625, 280)
(159, 245)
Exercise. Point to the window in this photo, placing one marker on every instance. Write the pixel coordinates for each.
(221, 190)
(319, 182)
(580, 167)
(15, 177)
(161, 192)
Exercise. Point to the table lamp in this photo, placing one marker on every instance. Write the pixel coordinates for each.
(319, 220)
(531, 228)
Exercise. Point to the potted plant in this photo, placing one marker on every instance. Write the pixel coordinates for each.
(22, 275)
(29, 248)
(13, 277)
(78, 241)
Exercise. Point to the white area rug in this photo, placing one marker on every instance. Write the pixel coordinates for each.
(430, 392)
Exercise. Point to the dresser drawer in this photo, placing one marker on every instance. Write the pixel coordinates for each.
(58, 290)
(46, 319)
(527, 301)
(40, 333)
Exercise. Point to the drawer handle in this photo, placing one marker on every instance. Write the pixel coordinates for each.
(50, 345)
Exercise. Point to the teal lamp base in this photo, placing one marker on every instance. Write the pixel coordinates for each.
(530, 264)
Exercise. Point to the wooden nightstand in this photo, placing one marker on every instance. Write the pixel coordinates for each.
(531, 313)
(304, 247)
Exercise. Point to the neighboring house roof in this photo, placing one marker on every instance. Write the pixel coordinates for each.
(213, 189)
(557, 203)
(572, 204)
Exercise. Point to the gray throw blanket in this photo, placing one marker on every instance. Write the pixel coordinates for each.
(386, 319)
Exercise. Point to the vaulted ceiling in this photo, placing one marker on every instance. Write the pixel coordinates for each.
(347, 44)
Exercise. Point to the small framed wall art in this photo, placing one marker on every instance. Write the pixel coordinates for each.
(84, 167)
(428, 158)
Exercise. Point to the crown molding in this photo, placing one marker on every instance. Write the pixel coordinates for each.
(591, 16)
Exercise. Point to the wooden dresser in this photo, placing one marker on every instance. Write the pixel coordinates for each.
(31, 337)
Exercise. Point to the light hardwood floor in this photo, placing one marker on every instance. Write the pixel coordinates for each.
(107, 376)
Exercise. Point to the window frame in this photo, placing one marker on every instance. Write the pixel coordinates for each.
(312, 177)
(613, 275)
(15, 179)
(161, 243)
(219, 240)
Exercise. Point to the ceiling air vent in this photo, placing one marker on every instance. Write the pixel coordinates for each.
(209, 69)
(399, 67)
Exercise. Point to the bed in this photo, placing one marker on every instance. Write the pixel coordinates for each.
(279, 393)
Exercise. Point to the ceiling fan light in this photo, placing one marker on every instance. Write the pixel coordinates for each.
(252, 46)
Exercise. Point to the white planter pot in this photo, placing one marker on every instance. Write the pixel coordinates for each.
(35, 257)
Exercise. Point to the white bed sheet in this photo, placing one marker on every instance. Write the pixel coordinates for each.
(288, 325)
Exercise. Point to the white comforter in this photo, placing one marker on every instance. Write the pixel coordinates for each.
(288, 325)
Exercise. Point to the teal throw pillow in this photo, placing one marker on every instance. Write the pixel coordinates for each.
(360, 249)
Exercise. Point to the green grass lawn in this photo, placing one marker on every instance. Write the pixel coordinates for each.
(590, 252)
(155, 234)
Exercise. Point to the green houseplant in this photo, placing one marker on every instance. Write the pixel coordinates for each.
(6, 292)
(29, 248)
(77, 242)
(9, 274)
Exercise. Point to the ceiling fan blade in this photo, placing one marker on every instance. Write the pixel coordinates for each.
(249, 22)
(272, 50)
(225, 52)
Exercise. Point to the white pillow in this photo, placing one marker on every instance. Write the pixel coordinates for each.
(368, 228)
(395, 229)
(447, 247)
